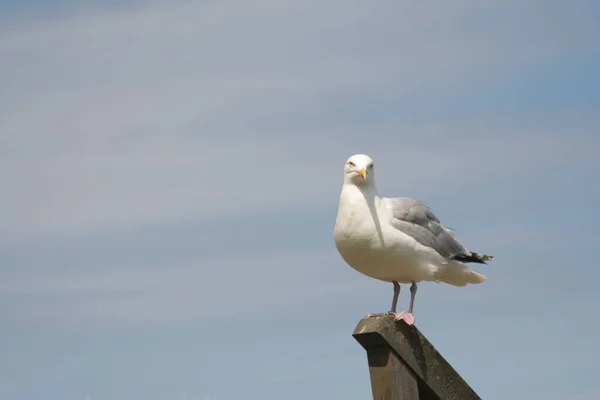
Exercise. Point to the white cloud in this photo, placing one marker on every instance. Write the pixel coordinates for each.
(159, 112)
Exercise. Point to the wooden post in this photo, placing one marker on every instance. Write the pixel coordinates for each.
(404, 366)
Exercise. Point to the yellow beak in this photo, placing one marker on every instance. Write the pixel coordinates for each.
(363, 173)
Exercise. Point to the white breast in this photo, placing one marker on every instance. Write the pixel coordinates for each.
(366, 241)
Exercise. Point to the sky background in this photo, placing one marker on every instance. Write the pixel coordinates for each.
(170, 173)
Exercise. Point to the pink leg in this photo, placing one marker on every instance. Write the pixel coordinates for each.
(407, 317)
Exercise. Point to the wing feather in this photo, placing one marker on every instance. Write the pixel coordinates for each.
(417, 220)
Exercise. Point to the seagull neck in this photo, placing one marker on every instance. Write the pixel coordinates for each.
(368, 191)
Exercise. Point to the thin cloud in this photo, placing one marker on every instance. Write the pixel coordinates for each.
(140, 118)
(160, 112)
(202, 288)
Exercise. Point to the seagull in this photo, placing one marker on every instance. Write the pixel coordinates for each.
(397, 240)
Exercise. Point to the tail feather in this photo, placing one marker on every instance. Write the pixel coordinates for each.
(473, 257)
(458, 275)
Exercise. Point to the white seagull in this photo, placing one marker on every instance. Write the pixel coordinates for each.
(398, 239)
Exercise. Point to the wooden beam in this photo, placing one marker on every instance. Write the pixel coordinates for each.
(403, 365)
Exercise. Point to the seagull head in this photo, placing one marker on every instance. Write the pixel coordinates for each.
(358, 170)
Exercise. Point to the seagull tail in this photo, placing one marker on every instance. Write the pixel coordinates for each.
(473, 258)
(458, 274)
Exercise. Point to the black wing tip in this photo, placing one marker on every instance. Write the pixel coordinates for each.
(474, 258)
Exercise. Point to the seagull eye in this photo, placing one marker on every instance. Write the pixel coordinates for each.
(350, 163)
(370, 166)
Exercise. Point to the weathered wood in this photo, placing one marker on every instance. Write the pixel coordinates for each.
(390, 378)
(403, 365)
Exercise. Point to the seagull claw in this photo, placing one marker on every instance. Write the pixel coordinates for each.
(403, 316)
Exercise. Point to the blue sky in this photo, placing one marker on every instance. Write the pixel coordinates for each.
(171, 172)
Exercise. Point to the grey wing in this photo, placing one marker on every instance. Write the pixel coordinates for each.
(417, 220)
